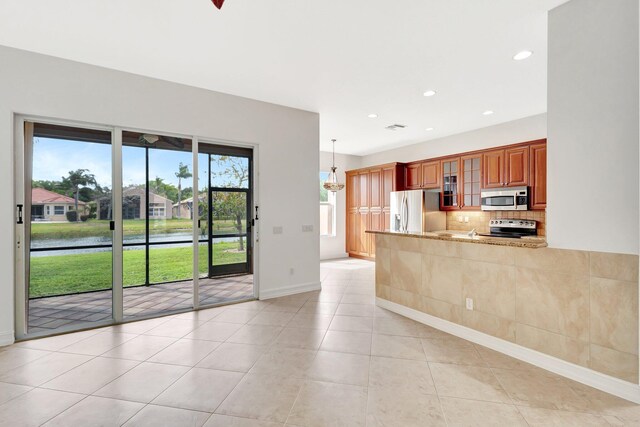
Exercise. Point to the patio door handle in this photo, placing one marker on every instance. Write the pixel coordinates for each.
(112, 225)
(20, 221)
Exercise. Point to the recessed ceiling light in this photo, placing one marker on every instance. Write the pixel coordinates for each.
(429, 129)
(372, 116)
(522, 55)
(429, 93)
(488, 113)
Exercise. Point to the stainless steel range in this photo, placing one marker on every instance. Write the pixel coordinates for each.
(512, 228)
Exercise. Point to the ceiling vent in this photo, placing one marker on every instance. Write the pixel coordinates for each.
(395, 127)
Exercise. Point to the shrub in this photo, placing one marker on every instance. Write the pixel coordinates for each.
(84, 218)
(72, 216)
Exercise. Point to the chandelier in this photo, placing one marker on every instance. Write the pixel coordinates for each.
(332, 183)
(218, 3)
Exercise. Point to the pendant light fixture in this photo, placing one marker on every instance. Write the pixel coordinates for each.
(218, 3)
(332, 183)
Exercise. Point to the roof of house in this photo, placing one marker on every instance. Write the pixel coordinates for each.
(40, 196)
(202, 197)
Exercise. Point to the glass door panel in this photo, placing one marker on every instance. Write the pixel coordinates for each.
(229, 211)
(69, 283)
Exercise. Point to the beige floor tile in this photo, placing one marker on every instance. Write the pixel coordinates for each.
(286, 362)
(175, 328)
(11, 391)
(424, 331)
(394, 326)
(256, 334)
(156, 416)
(411, 375)
(494, 359)
(310, 321)
(344, 368)
(451, 350)
(138, 327)
(15, 356)
(365, 310)
(143, 383)
(227, 421)
(237, 316)
(214, 331)
(539, 417)
(140, 348)
(185, 352)
(91, 376)
(467, 382)
(604, 403)
(199, 390)
(205, 314)
(347, 342)
(401, 407)
(351, 324)
(473, 413)
(358, 299)
(327, 296)
(58, 342)
(262, 397)
(309, 339)
(233, 357)
(398, 347)
(98, 344)
(271, 318)
(96, 412)
(44, 369)
(539, 389)
(328, 404)
(36, 407)
(319, 307)
(287, 306)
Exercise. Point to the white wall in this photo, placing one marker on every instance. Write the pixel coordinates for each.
(288, 154)
(593, 126)
(526, 129)
(334, 246)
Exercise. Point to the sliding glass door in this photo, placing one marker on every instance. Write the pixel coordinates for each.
(70, 256)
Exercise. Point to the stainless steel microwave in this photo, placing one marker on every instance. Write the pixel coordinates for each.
(505, 199)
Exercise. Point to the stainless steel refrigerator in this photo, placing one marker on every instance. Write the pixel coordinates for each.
(416, 211)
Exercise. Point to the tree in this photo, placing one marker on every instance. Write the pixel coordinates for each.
(77, 180)
(183, 173)
(234, 173)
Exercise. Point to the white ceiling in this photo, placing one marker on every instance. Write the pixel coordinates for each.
(342, 58)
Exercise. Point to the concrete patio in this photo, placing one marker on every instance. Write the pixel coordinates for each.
(48, 314)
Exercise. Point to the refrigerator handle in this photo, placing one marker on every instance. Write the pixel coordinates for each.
(405, 212)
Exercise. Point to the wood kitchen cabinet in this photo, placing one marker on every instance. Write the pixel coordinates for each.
(369, 204)
(413, 176)
(505, 167)
(450, 192)
(471, 181)
(538, 176)
(430, 174)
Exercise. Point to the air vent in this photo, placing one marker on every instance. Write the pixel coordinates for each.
(395, 127)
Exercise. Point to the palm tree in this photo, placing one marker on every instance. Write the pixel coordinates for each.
(183, 172)
(77, 180)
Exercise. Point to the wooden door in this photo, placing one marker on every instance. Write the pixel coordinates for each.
(352, 190)
(375, 189)
(362, 241)
(376, 224)
(352, 227)
(471, 168)
(431, 174)
(450, 194)
(413, 176)
(538, 176)
(388, 185)
(363, 189)
(493, 169)
(516, 166)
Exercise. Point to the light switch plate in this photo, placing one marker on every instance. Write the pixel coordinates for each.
(307, 228)
(277, 230)
(469, 303)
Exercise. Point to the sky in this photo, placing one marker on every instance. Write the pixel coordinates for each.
(54, 158)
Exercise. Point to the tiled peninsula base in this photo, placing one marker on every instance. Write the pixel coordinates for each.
(578, 306)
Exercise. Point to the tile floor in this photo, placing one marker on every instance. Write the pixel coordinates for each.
(328, 358)
(47, 314)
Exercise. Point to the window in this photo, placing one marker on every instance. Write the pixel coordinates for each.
(156, 210)
(58, 210)
(48, 210)
(327, 208)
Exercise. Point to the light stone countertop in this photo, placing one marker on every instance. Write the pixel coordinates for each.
(461, 236)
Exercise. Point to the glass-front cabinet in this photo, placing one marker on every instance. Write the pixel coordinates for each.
(450, 198)
(471, 182)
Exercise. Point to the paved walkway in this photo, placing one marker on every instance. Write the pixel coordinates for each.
(46, 314)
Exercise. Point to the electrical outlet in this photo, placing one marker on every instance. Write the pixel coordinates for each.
(466, 219)
(469, 303)
(277, 230)
(459, 218)
(307, 228)
(292, 271)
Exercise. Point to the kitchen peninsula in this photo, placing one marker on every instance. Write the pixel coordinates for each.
(553, 301)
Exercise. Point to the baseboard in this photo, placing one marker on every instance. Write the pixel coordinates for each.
(6, 338)
(289, 290)
(603, 382)
(333, 256)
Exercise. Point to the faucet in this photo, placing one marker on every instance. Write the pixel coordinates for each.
(472, 233)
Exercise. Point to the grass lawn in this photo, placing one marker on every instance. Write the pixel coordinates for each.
(95, 228)
(67, 274)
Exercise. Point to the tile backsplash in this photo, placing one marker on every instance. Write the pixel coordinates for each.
(480, 219)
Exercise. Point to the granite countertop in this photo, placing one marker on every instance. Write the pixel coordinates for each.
(461, 236)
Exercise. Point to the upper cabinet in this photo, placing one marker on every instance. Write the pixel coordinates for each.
(505, 167)
(471, 181)
(538, 175)
(450, 194)
(413, 176)
(422, 175)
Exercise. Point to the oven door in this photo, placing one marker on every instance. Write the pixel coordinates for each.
(501, 202)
